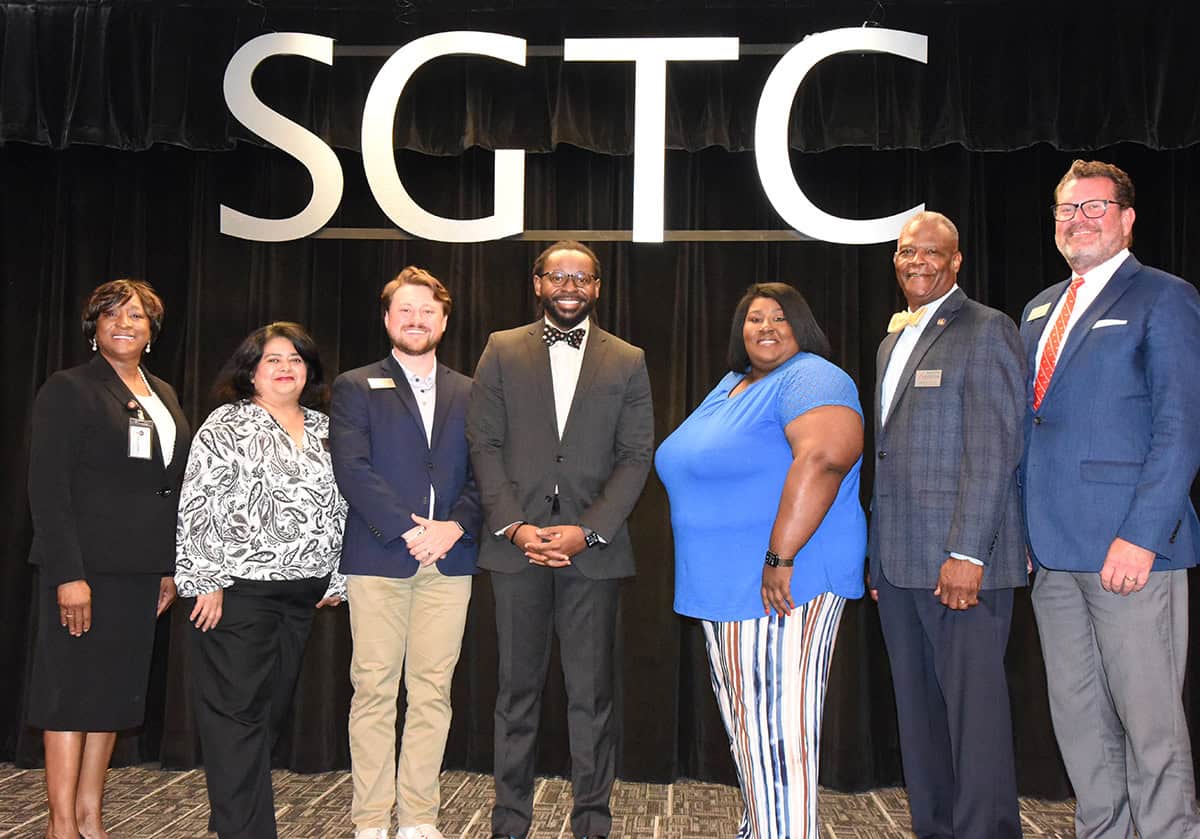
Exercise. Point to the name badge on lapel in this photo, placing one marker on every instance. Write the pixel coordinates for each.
(139, 438)
(381, 383)
(1038, 312)
(928, 378)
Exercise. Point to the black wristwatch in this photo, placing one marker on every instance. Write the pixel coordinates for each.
(590, 537)
(774, 561)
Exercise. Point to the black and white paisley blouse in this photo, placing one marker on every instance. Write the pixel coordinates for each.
(255, 506)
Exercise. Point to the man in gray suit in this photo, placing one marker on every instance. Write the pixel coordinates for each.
(945, 540)
(561, 431)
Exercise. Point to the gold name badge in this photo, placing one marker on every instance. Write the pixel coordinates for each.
(1038, 312)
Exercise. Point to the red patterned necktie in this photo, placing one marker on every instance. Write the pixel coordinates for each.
(1050, 354)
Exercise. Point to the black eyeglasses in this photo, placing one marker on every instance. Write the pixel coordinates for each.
(1092, 208)
(559, 278)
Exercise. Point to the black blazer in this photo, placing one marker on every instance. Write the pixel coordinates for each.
(599, 466)
(95, 509)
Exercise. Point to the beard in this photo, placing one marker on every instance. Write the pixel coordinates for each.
(566, 320)
(1083, 256)
(407, 345)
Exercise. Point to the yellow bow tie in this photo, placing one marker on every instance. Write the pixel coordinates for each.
(905, 318)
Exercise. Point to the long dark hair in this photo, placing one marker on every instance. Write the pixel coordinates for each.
(799, 316)
(234, 382)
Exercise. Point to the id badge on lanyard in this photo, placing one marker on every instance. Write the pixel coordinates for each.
(141, 434)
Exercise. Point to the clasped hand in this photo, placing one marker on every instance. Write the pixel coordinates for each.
(431, 539)
(551, 546)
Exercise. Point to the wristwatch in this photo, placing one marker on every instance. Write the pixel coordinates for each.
(774, 561)
(590, 537)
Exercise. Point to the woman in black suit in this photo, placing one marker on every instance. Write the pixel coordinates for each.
(108, 449)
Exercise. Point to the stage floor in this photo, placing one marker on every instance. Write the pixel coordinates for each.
(145, 802)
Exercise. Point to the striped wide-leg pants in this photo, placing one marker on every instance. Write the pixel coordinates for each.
(769, 676)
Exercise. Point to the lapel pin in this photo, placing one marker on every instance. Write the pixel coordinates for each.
(941, 321)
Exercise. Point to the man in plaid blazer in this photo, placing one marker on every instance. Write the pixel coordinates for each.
(946, 542)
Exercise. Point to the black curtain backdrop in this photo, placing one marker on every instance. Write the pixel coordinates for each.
(142, 201)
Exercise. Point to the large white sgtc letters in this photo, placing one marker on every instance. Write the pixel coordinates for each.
(650, 57)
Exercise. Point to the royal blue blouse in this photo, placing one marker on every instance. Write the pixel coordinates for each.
(724, 468)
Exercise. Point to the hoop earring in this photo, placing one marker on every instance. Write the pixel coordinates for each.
(93, 345)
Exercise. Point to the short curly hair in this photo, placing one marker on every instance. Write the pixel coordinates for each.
(412, 275)
(116, 293)
(1122, 183)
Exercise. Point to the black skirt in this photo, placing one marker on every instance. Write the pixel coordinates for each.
(98, 681)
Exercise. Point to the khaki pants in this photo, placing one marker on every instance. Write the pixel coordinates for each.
(413, 627)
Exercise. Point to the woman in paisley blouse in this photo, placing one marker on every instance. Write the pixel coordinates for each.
(258, 544)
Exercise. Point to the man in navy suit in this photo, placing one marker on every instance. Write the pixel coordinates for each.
(398, 432)
(1112, 437)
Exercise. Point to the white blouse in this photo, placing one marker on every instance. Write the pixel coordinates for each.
(164, 423)
(255, 506)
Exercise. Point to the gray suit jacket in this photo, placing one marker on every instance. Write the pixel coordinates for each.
(946, 460)
(599, 466)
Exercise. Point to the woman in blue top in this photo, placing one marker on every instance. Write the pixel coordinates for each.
(769, 465)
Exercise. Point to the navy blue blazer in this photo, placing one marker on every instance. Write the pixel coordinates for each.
(384, 468)
(1114, 447)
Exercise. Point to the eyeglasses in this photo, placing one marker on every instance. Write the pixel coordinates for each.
(1092, 208)
(559, 278)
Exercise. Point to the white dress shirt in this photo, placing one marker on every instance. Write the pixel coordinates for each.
(1094, 282)
(896, 364)
(901, 353)
(565, 363)
(424, 390)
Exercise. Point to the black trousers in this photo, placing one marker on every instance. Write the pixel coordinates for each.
(952, 702)
(530, 606)
(244, 675)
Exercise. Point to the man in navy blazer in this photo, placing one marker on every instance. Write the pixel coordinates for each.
(1112, 437)
(398, 434)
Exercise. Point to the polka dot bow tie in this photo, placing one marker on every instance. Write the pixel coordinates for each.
(552, 336)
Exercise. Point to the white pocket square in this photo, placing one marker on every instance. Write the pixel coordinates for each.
(1100, 324)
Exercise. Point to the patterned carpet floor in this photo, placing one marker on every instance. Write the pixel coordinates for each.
(144, 802)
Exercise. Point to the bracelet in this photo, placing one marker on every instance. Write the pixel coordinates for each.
(774, 561)
(512, 539)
